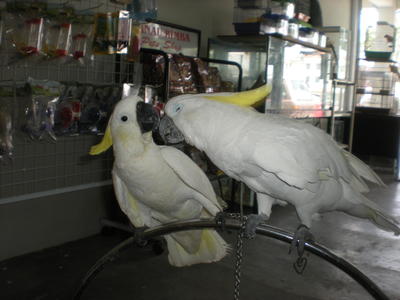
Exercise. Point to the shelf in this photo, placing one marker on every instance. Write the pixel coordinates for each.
(361, 92)
(263, 39)
(343, 82)
(342, 114)
(379, 60)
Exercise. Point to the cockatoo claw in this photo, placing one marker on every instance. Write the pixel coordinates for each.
(301, 236)
(253, 221)
(220, 220)
(138, 236)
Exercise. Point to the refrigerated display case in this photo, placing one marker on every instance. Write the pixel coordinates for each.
(298, 71)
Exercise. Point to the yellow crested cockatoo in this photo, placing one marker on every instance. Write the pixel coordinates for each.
(281, 159)
(157, 184)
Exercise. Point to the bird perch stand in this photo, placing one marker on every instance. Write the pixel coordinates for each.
(234, 224)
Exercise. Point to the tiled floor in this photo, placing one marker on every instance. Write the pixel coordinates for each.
(267, 271)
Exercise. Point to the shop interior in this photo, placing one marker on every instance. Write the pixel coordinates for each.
(67, 66)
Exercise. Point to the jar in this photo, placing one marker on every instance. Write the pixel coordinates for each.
(272, 23)
(293, 29)
(308, 34)
(282, 7)
(322, 39)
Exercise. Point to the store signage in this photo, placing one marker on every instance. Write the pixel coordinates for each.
(169, 39)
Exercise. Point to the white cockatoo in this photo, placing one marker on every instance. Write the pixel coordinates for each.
(157, 184)
(281, 159)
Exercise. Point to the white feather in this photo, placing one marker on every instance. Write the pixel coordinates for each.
(282, 158)
(156, 185)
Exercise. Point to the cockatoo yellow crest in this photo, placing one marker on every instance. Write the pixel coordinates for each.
(105, 143)
(246, 98)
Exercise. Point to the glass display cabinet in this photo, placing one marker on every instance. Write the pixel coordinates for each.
(298, 71)
(377, 85)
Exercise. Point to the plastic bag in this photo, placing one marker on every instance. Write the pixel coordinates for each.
(123, 32)
(2, 22)
(68, 111)
(97, 108)
(6, 121)
(40, 112)
(105, 32)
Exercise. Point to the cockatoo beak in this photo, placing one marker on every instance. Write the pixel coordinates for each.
(105, 143)
(147, 117)
(247, 98)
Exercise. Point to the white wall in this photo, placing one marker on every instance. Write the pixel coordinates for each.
(336, 13)
(212, 17)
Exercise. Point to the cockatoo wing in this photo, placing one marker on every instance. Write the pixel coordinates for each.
(129, 205)
(192, 176)
(282, 154)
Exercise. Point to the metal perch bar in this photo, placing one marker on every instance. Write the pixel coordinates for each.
(265, 230)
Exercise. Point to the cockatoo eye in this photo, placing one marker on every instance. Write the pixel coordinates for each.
(178, 107)
(124, 118)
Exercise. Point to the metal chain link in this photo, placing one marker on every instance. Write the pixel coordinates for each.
(239, 253)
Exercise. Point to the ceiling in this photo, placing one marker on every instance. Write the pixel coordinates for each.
(383, 3)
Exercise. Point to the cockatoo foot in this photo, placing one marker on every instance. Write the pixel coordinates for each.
(138, 236)
(301, 236)
(253, 221)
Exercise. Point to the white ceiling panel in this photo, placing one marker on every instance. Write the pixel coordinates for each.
(383, 3)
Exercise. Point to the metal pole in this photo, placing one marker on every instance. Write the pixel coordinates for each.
(354, 57)
(265, 230)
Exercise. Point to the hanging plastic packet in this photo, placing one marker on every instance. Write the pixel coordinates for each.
(25, 29)
(40, 112)
(143, 10)
(111, 95)
(2, 22)
(91, 111)
(7, 119)
(105, 33)
(58, 33)
(135, 42)
(68, 112)
(82, 32)
(124, 32)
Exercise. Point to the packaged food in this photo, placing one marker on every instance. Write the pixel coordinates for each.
(123, 32)
(105, 33)
(40, 112)
(135, 42)
(283, 8)
(143, 10)
(2, 21)
(293, 29)
(308, 34)
(7, 105)
(181, 75)
(322, 39)
(68, 111)
(273, 23)
(209, 78)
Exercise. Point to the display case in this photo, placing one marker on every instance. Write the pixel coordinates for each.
(298, 71)
(377, 85)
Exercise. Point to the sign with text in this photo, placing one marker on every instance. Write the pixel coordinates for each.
(169, 39)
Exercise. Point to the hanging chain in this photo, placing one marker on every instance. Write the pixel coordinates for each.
(239, 253)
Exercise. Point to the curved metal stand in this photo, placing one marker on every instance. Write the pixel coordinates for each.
(265, 230)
